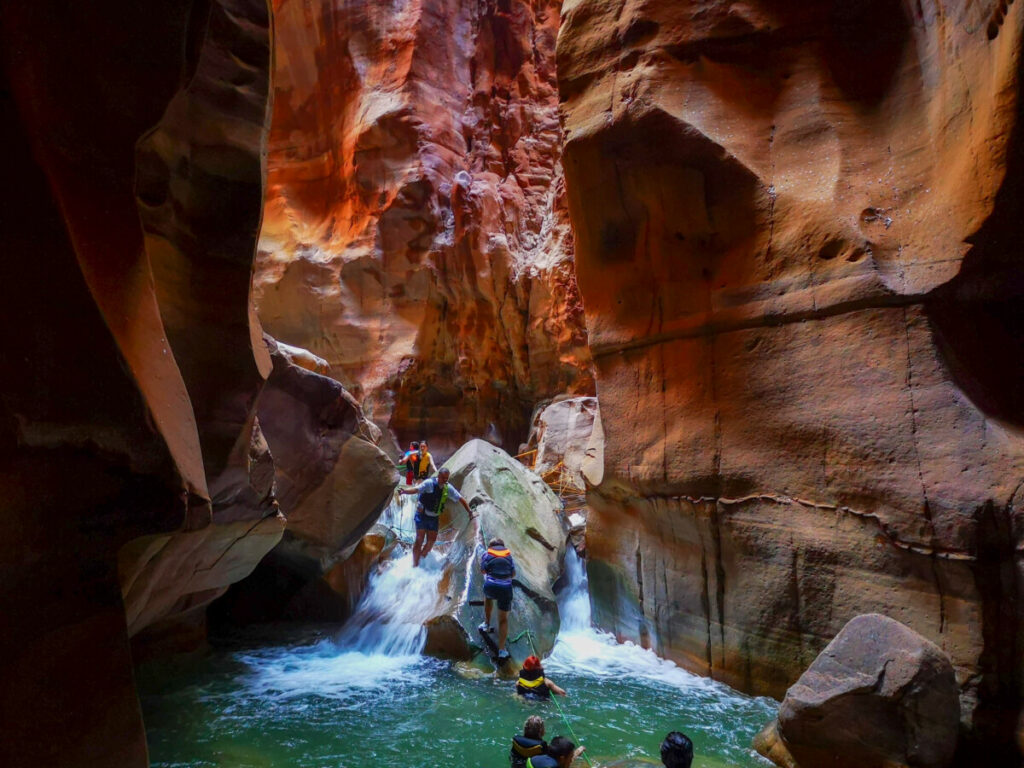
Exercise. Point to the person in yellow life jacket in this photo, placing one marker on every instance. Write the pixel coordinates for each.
(532, 684)
(530, 744)
(426, 464)
(498, 569)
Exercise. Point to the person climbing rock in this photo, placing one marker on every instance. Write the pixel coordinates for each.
(530, 744)
(532, 684)
(426, 465)
(410, 462)
(498, 569)
(561, 753)
(433, 494)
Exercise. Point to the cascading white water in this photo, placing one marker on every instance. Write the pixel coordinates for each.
(581, 649)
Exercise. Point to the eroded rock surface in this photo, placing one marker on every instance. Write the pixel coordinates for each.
(794, 240)
(561, 433)
(133, 141)
(415, 233)
(878, 696)
(331, 480)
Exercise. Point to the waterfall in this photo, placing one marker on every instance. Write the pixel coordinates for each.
(581, 649)
(389, 618)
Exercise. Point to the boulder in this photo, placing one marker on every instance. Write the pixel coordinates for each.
(562, 433)
(514, 504)
(331, 480)
(879, 696)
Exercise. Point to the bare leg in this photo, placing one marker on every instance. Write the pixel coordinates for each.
(417, 547)
(502, 628)
(431, 538)
(488, 604)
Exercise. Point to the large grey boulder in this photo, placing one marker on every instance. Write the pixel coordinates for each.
(511, 503)
(878, 696)
(562, 433)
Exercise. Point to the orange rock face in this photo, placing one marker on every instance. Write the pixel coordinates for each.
(415, 233)
(795, 241)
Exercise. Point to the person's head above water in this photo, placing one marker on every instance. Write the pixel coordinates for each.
(677, 750)
(534, 727)
(562, 750)
(532, 662)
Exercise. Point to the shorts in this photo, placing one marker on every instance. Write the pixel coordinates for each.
(425, 522)
(502, 594)
(409, 477)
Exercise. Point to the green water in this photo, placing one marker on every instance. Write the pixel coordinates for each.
(298, 700)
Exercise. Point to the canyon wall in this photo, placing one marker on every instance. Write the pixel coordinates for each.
(415, 232)
(796, 234)
(135, 477)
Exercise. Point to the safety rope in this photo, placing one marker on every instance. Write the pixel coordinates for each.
(554, 697)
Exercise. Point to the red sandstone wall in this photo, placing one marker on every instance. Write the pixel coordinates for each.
(796, 241)
(415, 232)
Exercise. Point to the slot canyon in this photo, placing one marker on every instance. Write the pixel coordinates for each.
(741, 275)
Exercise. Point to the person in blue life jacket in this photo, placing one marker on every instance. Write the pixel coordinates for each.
(560, 754)
(533, 684)
(410, 462)
(433, 494)
(498, 569)
(530, 744)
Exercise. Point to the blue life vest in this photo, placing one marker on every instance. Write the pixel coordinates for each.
(498, 567)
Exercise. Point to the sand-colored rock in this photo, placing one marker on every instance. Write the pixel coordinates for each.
(794, 240)
(331, 481)
(561, 433)
(878, 696)
(415, 234)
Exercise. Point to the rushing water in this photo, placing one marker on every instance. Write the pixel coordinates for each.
(366, 698)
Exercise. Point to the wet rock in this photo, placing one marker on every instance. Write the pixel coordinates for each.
(878, 696)
(515, 505)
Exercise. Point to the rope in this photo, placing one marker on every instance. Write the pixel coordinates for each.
(554, 697)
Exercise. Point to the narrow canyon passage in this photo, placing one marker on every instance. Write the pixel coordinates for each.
(714, 310)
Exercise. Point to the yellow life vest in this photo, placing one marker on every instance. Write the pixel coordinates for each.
(532, 683)
(424, 462)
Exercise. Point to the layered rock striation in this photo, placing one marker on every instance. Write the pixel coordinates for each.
(795, 240)
(415, 233)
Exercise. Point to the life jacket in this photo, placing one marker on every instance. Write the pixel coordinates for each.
(424, 464)
(498, 567)
(523, 749)
(541, 761)
(531, 684)
(433, 498)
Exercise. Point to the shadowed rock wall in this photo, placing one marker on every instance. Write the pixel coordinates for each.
(131, 204)
(415, 233)
(797, 229)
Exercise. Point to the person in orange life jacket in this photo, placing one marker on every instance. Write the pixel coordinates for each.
(426, 463)
(530, 744)
(561, 752)
(433, 494)
(410, 462)
(498, 569)
(532, 684)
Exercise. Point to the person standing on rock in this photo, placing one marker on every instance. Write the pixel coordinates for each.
(433, 495)
(410, 462)
(498, 569)
(426, 464)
